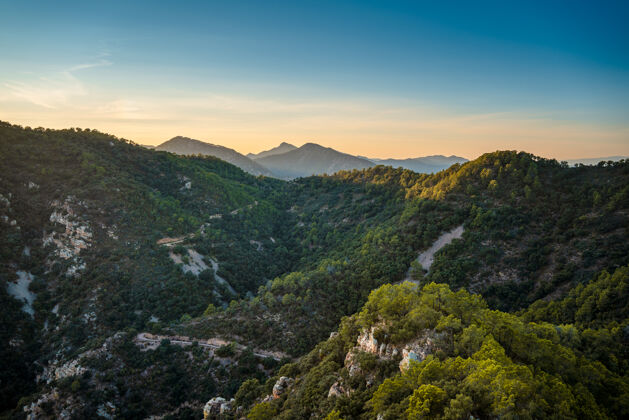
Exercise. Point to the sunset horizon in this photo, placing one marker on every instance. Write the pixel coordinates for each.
(397, 80)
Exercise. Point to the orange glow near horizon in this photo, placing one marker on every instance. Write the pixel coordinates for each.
(359, 133)
(372, 127)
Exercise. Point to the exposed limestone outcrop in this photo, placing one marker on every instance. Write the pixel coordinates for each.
(416, 350)
(34, 410)
(21, 292)
(106, 411)
(337, 389)
(281, 386)
(76, 236)
(6, 201)
(368, 343)
(351, 363)
(192, 263)
(69, 369)
(187, 184)
(57, 370)
(217, 406)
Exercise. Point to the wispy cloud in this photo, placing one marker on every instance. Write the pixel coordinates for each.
(54, 90)
(48, 92)
(99, 63)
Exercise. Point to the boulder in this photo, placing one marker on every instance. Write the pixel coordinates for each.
(337, 389)
(217, 406)
(281, 386)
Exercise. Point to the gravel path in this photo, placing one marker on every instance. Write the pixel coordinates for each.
(213, 344)
(426, 258)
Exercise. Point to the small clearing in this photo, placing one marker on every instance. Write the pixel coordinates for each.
(174, 241)
(196, 264)
(20, 291)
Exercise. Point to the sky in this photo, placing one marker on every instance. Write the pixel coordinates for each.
(384, 79)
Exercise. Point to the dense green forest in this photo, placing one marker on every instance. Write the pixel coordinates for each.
(517, 247)
(119, 239)
(479, 362)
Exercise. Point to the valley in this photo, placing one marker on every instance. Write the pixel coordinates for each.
(155, 283)
(314, 210)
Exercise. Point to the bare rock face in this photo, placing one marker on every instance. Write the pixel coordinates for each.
(216, 407)
(76, 236)
(352, 364)
(57, 369)
(337, 389)
(106, 411)
(69, 369)
(417, 350)
(368, 343)
(34, 410)
(281, 386)
(63, 408)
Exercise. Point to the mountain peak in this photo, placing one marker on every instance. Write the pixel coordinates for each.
(282, 148)
(311, 145)
(311, 159)
(186, 146)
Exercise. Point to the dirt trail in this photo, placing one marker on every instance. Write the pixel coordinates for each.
(426, 258)
(220, 279)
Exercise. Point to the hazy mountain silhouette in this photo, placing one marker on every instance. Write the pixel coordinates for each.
(426, 164)
(594, 161)
(187, 146)
(282, 148)
(311, 159)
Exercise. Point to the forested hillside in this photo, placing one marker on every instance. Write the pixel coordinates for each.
(432, 353)
(106, 240)
(84, 214)
(534, 229)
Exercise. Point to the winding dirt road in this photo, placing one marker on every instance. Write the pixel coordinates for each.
(213, 343)
(427, 257)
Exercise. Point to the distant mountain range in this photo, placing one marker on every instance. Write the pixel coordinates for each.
(288, 161)
(427, 164)
(311, 159)
(594, 161)
(187, 146)
(282, 148)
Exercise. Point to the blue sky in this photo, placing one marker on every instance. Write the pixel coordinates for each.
(384, 79)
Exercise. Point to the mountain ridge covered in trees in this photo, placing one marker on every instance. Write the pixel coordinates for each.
(100, 223)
